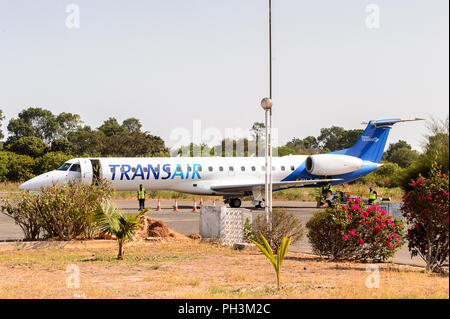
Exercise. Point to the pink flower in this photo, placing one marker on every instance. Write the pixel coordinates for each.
(353, 232)
(345, 237)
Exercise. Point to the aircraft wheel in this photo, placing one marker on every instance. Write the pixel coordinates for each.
(235, 203)
(261, 204)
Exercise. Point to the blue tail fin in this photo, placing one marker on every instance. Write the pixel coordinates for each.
(370, 146)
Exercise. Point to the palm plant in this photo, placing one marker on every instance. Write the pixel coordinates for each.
(111, 221)
(267, 251)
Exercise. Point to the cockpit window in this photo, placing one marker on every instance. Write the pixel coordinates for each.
(64, 167)
(75, 168)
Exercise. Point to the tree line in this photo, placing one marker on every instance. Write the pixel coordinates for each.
(39, 141)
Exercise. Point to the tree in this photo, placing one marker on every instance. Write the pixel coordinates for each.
(1, 119)
(132, 125)
(436, 150)
(113, 222)
(308, 145)
(111, 127)
(28, 145)
(284, 151)
(394, 147)
(337, 138)
(193, 150)
(257, 132)
(68, 122)
(85, 141)
(403, 157)
(132, 144)
(36, 122)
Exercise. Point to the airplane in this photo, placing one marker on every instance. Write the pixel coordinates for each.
(230, 177)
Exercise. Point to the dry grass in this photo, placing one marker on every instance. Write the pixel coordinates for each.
(9, 186)
(189, 269)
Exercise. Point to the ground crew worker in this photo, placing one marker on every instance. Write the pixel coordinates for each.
(141, 197)
(372, 196)
(328, 190)
(318, 192)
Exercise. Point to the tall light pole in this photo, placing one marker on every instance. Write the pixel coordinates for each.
(266, 104)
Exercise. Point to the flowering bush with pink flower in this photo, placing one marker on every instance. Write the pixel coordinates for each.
(355, 232)
(426, 208)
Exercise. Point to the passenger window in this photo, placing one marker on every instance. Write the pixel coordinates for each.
(263, 168)
(178, 168)
(75, 168)
(113, 169)
(220, 168)
(199, 168)
(122, 170)
(231, 168)
(243, 168)
(189, 168)
(283, 168)
(273, 168)
(145, 169)
(253, 168)
(292, 168)
(133, 169)
(210, 169)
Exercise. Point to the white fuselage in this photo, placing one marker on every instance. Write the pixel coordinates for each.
(194, 175)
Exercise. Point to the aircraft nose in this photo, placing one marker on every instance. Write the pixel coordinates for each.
(30, 185)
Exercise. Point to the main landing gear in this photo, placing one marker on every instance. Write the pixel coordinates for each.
(233, 202)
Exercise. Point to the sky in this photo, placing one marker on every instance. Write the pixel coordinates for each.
(170, 63)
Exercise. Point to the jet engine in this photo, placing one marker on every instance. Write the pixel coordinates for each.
(332, 164)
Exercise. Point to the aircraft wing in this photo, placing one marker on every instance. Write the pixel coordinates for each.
(248, 187)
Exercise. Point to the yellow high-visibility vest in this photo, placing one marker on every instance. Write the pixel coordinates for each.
(372, 195)
(141, 193)
(318, 192)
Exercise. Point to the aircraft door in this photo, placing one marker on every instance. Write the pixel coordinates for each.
(86, 171)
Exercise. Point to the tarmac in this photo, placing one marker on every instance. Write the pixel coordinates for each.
(186, 221)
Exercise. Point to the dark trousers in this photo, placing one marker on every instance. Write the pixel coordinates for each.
(141, 204)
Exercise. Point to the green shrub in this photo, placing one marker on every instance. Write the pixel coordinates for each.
(426, 207)
(50, 161)
(20, 167)
(355, 232)
(388, 175)
(4, 166)
(58, 212)
(282, 224)
(26, 213)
